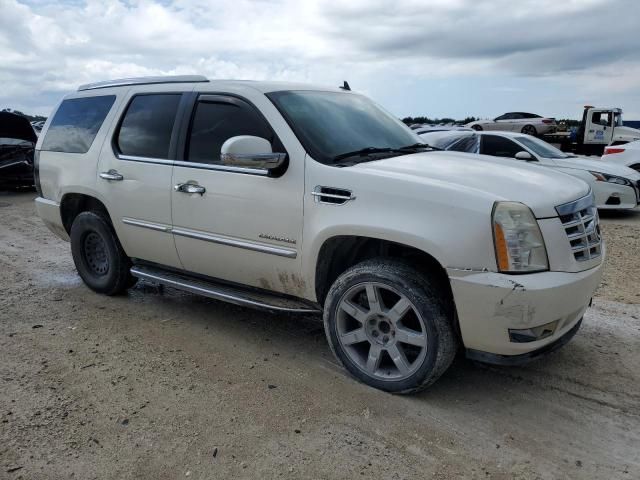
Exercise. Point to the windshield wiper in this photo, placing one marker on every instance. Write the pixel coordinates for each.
(363, 152)
(416, 146)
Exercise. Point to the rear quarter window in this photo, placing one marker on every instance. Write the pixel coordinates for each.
(76, 123)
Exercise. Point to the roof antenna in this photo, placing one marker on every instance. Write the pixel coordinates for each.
(345, 86)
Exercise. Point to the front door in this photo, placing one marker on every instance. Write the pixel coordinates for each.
(238, 225)
(600, 127)
(134, 176)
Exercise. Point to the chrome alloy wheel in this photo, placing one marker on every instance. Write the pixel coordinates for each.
(381, 331)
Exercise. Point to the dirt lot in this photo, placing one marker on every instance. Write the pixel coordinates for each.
(165, 385)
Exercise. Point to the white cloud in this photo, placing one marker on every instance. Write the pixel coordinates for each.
(50, 47)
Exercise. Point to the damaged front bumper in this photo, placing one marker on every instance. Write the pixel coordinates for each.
(520, 315)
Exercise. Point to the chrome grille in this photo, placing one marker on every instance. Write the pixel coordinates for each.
(580, 222)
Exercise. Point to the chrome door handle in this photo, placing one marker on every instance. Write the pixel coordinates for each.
(111, 175)
(189, 188)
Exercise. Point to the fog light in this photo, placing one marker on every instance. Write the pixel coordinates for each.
(533, 334)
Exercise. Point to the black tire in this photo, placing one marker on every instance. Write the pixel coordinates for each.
(529, 130)
(477, 128)
(99, 258)
(636, 167)
(428, 299)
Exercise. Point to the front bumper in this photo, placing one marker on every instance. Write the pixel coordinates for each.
(491, 304)
(611, 196)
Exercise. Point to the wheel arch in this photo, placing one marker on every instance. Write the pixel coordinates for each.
(340, 252)
(72, 204)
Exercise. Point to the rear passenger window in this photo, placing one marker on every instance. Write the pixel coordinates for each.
(146, 128)
(76, 123)
(215, 122)
(499, 146)
(468, 144)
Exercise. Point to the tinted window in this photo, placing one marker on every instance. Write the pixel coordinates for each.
(499, 146)
(76, 124)
(147, 125)
(329, 124)
(467, 144)
(216, 122)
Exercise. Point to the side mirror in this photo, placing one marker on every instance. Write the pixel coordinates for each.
(524, 156)
(248, 151)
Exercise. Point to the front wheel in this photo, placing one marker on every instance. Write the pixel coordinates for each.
(99, 258)
(477, 128)
(390, 326)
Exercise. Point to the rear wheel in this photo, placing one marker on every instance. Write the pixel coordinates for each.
(390, 326)
(529, 130)
(98, 255)
(636, 167)
(477, 128)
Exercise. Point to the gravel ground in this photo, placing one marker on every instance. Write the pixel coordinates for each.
(163, 385)
(621, 281)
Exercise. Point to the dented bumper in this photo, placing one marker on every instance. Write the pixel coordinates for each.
(491, 305)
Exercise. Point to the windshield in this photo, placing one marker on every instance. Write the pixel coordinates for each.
(617, 119)
(541, 148)
(330, 124)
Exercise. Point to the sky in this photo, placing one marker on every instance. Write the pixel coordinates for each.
(439, 58)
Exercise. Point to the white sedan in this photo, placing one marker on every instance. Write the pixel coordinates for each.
(627, 154)
(614, 186)
(522, 122)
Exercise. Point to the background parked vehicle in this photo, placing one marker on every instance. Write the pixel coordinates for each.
(442, 128)
(523, 122)
(599, 127)
(17, 142)
(614, 186)
(627, 154)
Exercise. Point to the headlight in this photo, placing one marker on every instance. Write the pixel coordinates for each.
(603, 177)
(517, 238)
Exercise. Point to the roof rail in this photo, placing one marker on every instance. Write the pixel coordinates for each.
(144, 81)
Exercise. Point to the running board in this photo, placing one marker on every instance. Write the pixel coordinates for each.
(226, 293)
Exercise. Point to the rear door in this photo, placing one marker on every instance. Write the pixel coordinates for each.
(244, 226)
(503, 122)
(134, 176)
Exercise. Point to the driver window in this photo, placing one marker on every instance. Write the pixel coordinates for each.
(215, 122)
(499, 146)
(598, 117)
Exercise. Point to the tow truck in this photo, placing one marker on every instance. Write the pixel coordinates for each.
(599, 128)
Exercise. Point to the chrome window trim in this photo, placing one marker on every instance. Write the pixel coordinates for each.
(221, 168)
(132, 158)
(200, 166)
(232, 242)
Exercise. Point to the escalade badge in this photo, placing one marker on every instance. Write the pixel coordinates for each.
(277, 239)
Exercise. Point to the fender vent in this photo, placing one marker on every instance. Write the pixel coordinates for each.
(332, 196)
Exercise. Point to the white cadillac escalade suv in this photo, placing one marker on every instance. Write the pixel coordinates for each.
(301, 199)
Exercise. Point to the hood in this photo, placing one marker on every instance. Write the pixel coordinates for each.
(16, 126)
(601, 166)
(538, 187)
(628, 133)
